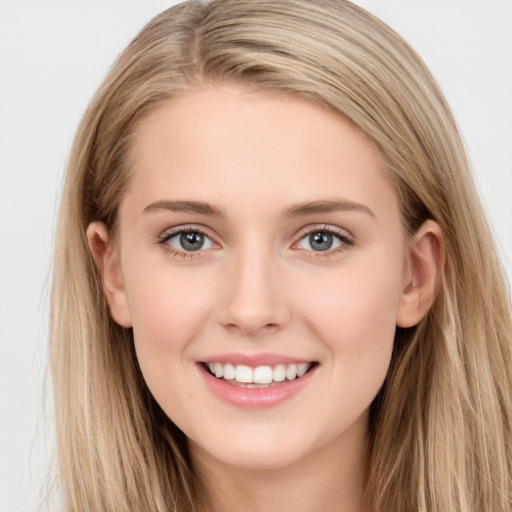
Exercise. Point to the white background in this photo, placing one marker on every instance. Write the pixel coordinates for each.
(53, 55)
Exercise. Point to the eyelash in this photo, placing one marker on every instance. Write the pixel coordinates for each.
(346, 241)
(168, 235)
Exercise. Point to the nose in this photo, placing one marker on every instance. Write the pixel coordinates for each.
(254, 300)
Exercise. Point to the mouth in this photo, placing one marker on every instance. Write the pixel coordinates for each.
(259, 377)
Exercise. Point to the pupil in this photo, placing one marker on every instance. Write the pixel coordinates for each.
(191, 241)
(320, 241)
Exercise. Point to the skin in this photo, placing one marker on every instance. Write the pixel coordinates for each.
(258, 286)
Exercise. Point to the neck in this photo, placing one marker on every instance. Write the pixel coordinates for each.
(331, 478)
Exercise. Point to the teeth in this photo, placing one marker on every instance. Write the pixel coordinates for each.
(243, 374)
(229, 372)
(279, 373)
(259, 375)
(302, 368)
(291, 372)
(219, 370)
(262, 375)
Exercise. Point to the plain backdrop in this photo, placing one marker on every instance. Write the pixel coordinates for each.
(53, 54)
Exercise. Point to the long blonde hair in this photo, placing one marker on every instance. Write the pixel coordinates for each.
(441, 427)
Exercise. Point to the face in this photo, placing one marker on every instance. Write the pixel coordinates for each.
(262, 264)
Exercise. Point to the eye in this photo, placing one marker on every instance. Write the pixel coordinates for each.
(324, 240)
(187, 240)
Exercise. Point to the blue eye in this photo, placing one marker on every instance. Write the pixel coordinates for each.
(188, 241)
(323, 240)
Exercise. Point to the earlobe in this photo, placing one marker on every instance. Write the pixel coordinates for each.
(425, 261)
(107, 262)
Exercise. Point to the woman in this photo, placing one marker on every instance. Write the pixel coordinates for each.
(274, 281)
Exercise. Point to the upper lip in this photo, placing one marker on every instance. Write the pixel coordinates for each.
(254, 360)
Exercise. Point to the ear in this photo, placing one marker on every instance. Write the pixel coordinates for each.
(425, 261)
(107, 261)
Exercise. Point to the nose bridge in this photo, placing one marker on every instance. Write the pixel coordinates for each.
(254, 300)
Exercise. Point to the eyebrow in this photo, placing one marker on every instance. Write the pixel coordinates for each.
(326, 206)
(298, 210)
(197, 207)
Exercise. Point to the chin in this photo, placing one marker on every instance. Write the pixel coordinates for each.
(254, 452)
(261, 461)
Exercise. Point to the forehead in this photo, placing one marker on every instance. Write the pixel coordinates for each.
(227, 143)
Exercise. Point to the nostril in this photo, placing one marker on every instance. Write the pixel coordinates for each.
(251, 322)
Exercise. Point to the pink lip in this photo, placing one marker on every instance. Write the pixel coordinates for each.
(254, 398)
(253, 360)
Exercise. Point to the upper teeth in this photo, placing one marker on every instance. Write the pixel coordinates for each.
(260, 374)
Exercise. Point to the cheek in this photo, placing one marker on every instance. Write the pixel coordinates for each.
(168, 311)
(355, 316)
(163, 301)
(359, 305)
(369, 312)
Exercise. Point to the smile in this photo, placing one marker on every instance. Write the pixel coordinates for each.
(247, 386)
(259, 377)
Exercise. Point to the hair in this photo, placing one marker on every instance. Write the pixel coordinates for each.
(441, 426)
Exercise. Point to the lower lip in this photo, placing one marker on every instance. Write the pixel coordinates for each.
(255, 398)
